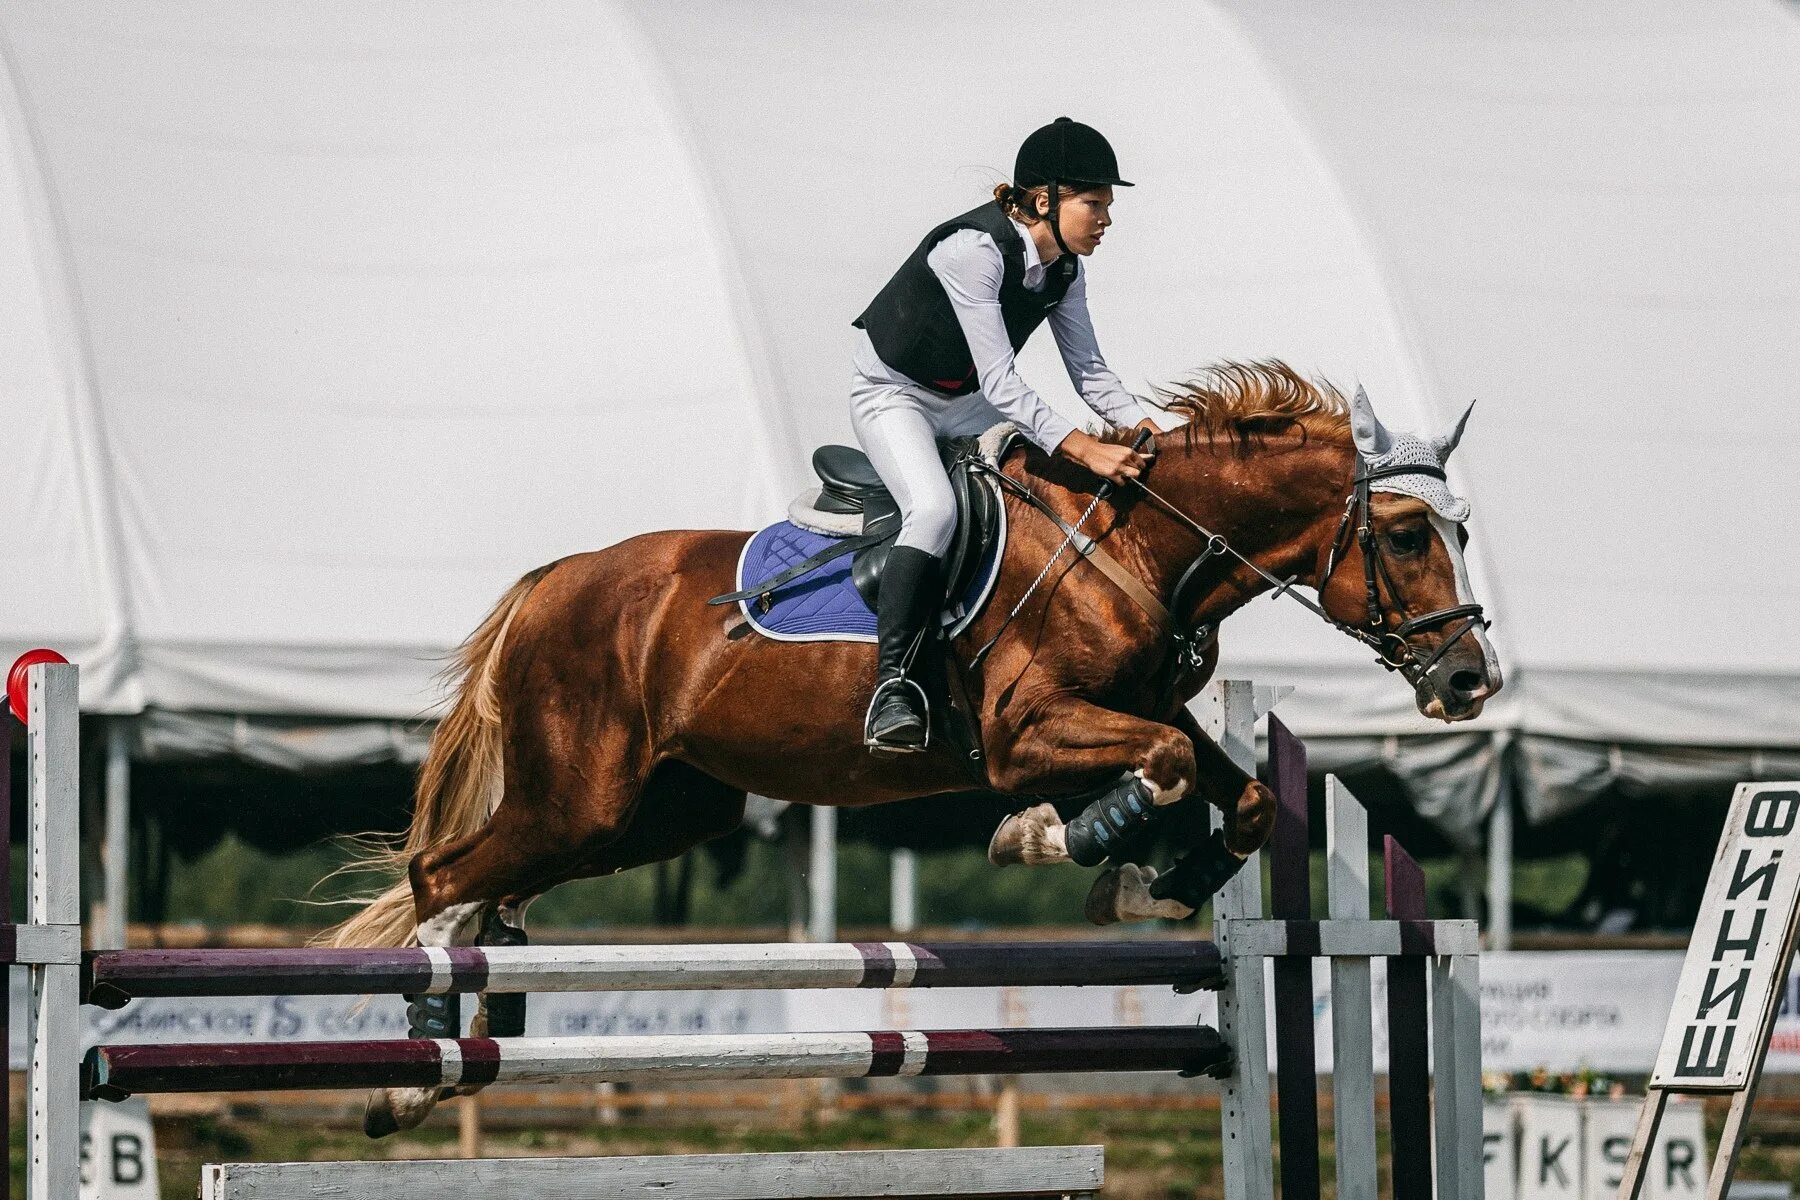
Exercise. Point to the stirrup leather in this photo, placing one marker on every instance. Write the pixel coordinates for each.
(874, 700)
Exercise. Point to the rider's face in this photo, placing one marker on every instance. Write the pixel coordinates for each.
(1083, 217)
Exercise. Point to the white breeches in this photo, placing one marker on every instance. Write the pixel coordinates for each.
(898, 427)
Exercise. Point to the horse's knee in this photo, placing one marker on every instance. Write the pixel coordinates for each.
(1167, 767)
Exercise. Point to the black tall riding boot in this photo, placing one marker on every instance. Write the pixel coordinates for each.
(899, 717)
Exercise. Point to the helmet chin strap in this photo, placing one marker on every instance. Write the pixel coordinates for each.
(1055, 224)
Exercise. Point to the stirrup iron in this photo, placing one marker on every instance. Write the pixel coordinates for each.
(875, 699)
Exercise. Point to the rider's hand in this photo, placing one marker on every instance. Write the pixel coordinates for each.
(1111, 462)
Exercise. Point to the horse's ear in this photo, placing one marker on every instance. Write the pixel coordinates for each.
(1372, 437)
(1444, 443)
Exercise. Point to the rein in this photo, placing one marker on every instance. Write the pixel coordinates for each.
(1391, 647)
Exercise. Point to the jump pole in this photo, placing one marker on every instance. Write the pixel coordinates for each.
(115, 1072)
(1076, 1171)
(113, 977)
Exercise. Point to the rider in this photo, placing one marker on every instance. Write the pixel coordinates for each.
(936, 360)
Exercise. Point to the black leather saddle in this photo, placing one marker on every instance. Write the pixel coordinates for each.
(849, 484)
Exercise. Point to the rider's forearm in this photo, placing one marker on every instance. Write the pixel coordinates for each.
(1075, 446)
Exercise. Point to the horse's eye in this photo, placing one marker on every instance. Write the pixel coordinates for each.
(1407, 540)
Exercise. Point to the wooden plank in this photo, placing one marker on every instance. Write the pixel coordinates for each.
(1409, 1036)
(1637, 1163)
(1290, 899)
(1290, 847)
(44, 945)
(113, 1072)
(1731, 1136)
(1227, 713)
(53, 897)
(1456, 1047)
(117, 976)
(1352, 1002)
(1033, 1171)
(1332, 938)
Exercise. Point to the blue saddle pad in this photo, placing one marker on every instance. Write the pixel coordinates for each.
(823, 605)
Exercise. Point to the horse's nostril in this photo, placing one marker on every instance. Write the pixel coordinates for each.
(1465, 682)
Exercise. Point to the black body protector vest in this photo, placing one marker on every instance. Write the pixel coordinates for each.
(914, 328)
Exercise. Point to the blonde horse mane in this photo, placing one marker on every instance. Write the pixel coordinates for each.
(1243, 402)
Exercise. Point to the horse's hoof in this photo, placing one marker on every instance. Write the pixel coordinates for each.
(501, 1014)
(378, 1116)
(1024, 838)
(392, 1109)
(1123, 894)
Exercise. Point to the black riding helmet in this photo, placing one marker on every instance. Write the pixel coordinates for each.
(1066, 152)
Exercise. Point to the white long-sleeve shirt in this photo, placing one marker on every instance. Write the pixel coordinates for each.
(970, 266)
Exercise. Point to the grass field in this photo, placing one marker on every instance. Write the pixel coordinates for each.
(1156, 1146)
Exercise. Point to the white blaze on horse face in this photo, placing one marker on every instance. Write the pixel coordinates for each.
(1160, 796)
(1465, 594)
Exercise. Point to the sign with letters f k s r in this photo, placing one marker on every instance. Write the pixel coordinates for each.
(1732, 976)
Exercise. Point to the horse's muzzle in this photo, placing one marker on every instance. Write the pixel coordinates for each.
(1458, 687)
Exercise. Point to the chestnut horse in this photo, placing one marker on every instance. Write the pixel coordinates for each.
(608, 718)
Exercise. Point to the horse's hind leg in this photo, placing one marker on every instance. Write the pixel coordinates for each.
(553, 814)
(681, 808)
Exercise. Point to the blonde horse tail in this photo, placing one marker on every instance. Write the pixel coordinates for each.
(460, 782)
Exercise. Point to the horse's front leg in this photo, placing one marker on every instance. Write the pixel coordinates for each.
(1069, 738)
(1150, 766)
(1159, 765)
(1247, 804)
(1248, 807)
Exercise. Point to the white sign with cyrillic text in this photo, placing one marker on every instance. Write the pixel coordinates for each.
(1728, 980)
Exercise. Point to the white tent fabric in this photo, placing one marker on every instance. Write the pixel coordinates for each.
(325, 320)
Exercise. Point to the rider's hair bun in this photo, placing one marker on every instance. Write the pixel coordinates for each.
(1018, 202)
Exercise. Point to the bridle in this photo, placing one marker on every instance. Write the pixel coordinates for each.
(1392, 650)
(1391, 647)
(1396, 653)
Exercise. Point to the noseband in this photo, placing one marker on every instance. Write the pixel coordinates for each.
(1391, 647)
